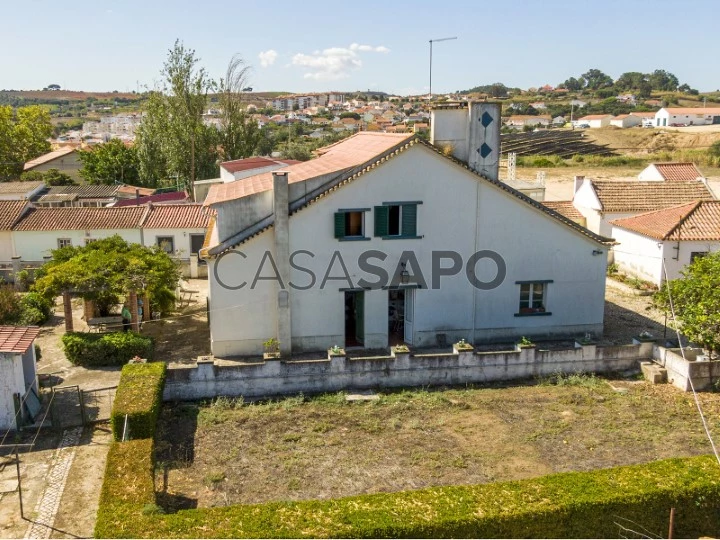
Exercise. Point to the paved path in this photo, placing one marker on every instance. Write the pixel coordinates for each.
(49, 502)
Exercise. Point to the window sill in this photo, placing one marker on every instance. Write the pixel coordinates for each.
(535, 314)
(353, 239)
(401, 237)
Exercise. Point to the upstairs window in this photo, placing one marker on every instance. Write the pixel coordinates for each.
(396, 220)
(350, 224)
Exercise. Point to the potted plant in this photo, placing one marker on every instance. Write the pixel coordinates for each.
(272, 349)
(336, 351)
(525, 343)
(462, 346)
(584, 341)
(400, 349)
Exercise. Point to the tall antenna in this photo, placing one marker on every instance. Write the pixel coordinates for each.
(431, 42)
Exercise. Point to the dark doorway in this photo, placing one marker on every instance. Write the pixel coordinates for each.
(354, 318)
(396, 317)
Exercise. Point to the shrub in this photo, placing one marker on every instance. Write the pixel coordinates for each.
(139, 396)
(36, 309)
(10, 308)
(112, 349)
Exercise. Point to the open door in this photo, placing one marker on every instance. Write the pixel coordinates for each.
(409, 315)
(354, 318)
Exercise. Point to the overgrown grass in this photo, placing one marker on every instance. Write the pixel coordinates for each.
(585, 380)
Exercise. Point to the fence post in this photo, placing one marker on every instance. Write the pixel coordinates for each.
(81, 399)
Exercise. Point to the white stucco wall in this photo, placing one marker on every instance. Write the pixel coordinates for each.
(11, 382)
(181, 239)
(459, 212)
(34, 245)
(651, 173)
(676, 260)
(6, 247)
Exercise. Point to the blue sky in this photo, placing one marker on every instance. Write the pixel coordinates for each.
(321, 45)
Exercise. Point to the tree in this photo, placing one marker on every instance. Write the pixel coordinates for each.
(630, 80)
(696, 301)
(109, 163)
(595, 79)
(107, 269)
(239, 133)
(572, 84)
(663, 80)
(23, 136)
(53, 177)
(32, 176)
(173, 141)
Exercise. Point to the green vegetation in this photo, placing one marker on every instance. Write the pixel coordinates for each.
(23, 309)
(698, 156)
(109, 349)
(52, 177)
(695, 299)
(23, 136)
(109, 163)
(139, 397)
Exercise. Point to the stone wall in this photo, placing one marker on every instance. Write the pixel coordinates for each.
(681, 370)
(207, 379)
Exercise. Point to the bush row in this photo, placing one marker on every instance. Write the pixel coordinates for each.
(567, 505)
(139, 396)
(111, 349)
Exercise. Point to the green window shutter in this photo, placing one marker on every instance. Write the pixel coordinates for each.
(409, 220)
(339, 224)
(381, 220)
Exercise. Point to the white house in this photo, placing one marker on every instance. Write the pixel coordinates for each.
(671, 172)
(385, 238)
(522, 120)
(687, 116)
(242, 168)
(178, 229)
(66, 160)
(675, 235)
(595, 120)
(647, 119)
(602, 201)
(19, 400)
(20, 191)
(626, 121)
(10, 213)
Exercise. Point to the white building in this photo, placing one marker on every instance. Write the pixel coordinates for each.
(675, 235)
(595, 120)
(687, 116)
(19, 402)
(10, 213)
(242, 168)
(602, 201)
(522, 120)
(20, 191)
(626, 121)
(671, 172)
(410, 207)
(647, 119)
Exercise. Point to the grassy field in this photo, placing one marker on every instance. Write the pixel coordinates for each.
(228, 452)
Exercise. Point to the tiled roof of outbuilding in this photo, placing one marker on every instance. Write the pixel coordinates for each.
(60, 219)
(17, 339)
(635, 196)
(696, 221)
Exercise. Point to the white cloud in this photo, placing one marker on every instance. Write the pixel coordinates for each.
(267, 58)
(334, 63)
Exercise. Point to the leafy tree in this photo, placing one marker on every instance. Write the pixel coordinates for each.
(109, 163)
(630, 80)
(23, 136)
(173, 141)
(645, 90)
(32, 176)
(108, 269)
(239, 133)
(348, 114)
(595, 79)
(572, 84)
(54, 177)
(696, 301)
(663, 80)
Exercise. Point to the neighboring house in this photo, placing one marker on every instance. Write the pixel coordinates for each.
(559, 121)
(675, 236)
(20, 191)
(603, 201)
(66, 160)
(10, 213)
(19, 402)
(404, 199)
(171, 197)
(538, 105)
(567, 209)
(578, 103)
(626, 121)
(177, 229)
(522, 120)
(671, 172)
(595, 120)
(242, 168)
(77, 196)
(687, 116)
(647, 119)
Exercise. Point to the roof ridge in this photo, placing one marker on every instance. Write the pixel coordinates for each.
(682, 220)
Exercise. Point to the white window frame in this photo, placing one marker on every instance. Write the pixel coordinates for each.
(160, 239)
(525, 307)
(64, 242)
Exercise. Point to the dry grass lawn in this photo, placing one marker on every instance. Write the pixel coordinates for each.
(227, 452)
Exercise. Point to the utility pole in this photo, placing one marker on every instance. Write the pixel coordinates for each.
(431, 47)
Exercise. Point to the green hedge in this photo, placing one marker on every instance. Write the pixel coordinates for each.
(566, 505)
(139, 396)
(111, 349)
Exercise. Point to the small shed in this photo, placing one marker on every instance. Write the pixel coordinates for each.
(19, 401)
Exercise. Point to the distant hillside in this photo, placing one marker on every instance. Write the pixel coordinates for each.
(53, 97)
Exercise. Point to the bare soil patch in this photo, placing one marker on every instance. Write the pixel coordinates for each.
(228, 452)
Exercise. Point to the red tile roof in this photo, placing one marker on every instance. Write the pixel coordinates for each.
(10, 212)
(678, 171)
(696, 221)
(635, 196)
(127, 190)
(694, 110)
(334, 159)
(173, 197)
(59, 219)
(567, 209)
(177, 216)
(46, 158)
(17, 339)
(250, 163)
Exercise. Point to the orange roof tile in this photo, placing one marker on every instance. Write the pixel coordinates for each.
(696, 221)
(635, 196)
(177, 216)
(694, 110)
(335, 158)
(678, 171)
(17, 339)
(595, 116)
(567, 209)
(59, 219)
(10, 212)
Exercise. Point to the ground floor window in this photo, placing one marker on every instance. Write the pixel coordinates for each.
(167, 244)
(533, 298)
(697, 255)
(64, 242)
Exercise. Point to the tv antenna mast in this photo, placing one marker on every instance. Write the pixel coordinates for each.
(431, 42)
